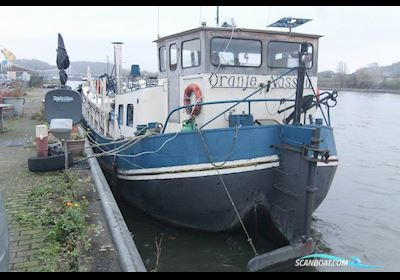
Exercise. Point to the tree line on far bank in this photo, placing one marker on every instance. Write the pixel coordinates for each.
(371, 77)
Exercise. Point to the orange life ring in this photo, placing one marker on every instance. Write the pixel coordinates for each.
(192, 88)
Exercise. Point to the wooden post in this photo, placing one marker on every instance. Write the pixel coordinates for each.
(66, 153)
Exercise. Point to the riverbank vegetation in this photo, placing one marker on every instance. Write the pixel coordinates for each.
(61, 208)
(371, 77)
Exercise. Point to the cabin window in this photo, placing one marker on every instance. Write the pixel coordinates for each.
(235, 52)
(163, 58)
(121, 115)
(286, 55)
(173, 57)
(111, 116)
(191, 53)
(129, 115)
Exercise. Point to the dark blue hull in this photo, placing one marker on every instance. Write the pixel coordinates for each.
(201, 203)
(162, 185)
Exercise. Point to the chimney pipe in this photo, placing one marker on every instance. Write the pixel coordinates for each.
(118, 65)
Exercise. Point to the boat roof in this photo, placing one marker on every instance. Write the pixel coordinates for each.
(293, 34)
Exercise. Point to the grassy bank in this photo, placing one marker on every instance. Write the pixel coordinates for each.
(60, 207)
(55, 219)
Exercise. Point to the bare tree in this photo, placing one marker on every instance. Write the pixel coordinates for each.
(371, 76)
(341, 67)
(373, 65)
(341, 72)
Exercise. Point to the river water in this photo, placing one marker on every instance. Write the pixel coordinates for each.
(360, 216)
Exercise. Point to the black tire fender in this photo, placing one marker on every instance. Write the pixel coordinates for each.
(50, 163)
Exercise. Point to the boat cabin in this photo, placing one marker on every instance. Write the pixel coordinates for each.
(234, 51)
(215, 67)
(228, 63)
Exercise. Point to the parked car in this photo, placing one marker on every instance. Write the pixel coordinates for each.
(4, 244)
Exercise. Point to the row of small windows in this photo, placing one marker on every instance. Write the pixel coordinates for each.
(237, 53)
(190, 55)
(129, 115)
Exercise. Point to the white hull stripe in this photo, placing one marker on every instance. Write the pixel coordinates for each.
(200, 167)
(200, 173)
(203, 170)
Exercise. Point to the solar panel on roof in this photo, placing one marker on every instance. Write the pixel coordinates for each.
(289, 22)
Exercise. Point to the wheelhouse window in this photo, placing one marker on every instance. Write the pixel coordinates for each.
(191, 53)
(121, 115)
(235, 52)
(129, 115)
(286, 55)
(173, 57)
(163, 58)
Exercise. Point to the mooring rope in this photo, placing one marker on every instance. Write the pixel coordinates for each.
(211, 160)
(138, 139)
(249, 239)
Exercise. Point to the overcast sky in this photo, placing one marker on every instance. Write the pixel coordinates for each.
(356, 35)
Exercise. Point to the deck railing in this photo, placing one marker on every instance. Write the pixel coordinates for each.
(236, 102)
(249, 102)
(323, 99)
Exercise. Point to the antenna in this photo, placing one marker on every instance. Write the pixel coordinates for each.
(107, 65)
(158, 22)
(269, 15)
(217, 16)
(289, 22)
(200, 17)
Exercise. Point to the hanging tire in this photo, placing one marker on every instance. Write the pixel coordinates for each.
(50, 163)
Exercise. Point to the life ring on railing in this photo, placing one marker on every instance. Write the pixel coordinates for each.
(189, 90)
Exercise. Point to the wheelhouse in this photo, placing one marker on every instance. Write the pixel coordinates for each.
(227, 63)
(238, 50)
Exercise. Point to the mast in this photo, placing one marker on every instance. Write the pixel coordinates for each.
(301, 70)
(118, 65)
(107, 66)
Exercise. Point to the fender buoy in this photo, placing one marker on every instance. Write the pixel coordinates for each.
(98, 86)
(189, 90)
(317, 94)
